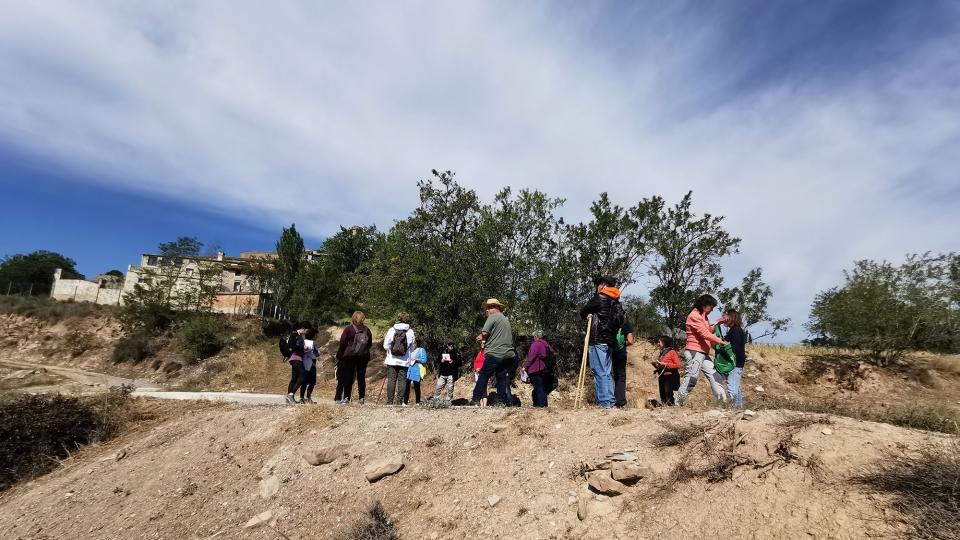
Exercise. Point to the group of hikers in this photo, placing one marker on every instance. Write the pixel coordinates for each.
(610, 333)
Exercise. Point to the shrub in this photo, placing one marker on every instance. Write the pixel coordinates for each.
(38, 430)
(132, 348)
(375, 525)
(200, 336)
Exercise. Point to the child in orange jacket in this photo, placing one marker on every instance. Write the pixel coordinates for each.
(667, 368)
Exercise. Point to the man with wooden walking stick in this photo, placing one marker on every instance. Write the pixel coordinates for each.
(608, 317)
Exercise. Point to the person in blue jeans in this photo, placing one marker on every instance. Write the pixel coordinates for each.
(607, 318)
(738, 339)
(500, 358)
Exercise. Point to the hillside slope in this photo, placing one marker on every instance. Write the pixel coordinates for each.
(205, 474)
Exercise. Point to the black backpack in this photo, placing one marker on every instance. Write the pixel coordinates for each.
(617, 317)
(285, 348)
(550, 361)
(361, 341)
(399, 346)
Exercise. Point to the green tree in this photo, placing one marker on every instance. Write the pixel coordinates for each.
(184, 246)
(886, 309)
(750, 299)
(684, 260)
(182, 283)
(647, 321)
(287, 266)
(19, 272)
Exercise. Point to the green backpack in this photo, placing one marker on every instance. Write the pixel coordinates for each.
(621, 339)
(724, 360)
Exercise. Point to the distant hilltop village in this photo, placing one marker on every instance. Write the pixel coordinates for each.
(238, 292)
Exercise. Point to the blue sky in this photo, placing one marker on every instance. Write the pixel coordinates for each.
(825, 131)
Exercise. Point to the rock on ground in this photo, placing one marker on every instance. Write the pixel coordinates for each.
(384, 467)
(603, 482)
(258, 520)
(322, 456)
(269, 487)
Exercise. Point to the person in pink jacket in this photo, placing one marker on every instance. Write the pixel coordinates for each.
(700, 339)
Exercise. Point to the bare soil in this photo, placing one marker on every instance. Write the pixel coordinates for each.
(198, 475)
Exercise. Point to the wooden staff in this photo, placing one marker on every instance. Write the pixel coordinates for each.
(583, 364)
(380, 393)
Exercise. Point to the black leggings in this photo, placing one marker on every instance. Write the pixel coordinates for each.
(309, 381)
(362, 377)
(345, 372)
(668, 384)
(297, 376)
(406, 391)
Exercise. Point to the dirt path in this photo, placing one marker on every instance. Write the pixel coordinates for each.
(72, 380)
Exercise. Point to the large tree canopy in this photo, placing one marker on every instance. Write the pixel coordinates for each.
(34, 271)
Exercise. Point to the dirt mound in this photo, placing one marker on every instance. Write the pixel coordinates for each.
(468, 473)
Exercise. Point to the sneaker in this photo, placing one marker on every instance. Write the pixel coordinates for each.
(290, 399)
(360, 401)
(344, 401)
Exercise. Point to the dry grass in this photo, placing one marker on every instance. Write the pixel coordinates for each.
(49, 310)
(924, 488)
(621, 420)
(436, 440)
(677, 435)
(314, 416)
(943, 363)
(917, 416)
(802, 421)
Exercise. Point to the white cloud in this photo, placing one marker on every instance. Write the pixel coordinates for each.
(339, 107)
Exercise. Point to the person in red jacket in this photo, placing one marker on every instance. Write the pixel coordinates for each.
(667, 368)
(700, 339)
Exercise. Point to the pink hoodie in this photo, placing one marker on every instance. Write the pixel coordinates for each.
(700, 333)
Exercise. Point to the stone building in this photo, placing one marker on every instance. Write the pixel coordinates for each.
(237, 294)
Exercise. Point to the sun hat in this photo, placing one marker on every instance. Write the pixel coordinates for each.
(493, 302)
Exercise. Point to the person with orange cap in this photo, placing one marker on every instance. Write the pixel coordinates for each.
(608, 317)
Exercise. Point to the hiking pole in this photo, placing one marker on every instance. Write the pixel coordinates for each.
(583, 364)
(380, 393)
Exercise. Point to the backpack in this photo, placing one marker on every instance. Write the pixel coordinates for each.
(399, 346)
(550, 360)
(285, 348)
(360, 343)
(616, 319)
(724, 360)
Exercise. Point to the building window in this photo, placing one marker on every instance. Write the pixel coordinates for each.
(236, 286)
(236, 272)
(189, 271)
(152, 260)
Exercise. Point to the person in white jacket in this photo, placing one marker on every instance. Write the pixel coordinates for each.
(399, 357)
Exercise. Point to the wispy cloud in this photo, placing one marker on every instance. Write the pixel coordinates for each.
(825, 132)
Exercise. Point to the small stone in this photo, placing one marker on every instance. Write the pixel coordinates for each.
(826, 431)
(493, 500)
(434, 535)
(582, 506)
(269, 487)
(622, 456)
(603, 482)
(758, 388)
(385, 467)
(628, 472)
(749, 413)
(713, 413)
(321, 456)
(494, 428)
(258, 520)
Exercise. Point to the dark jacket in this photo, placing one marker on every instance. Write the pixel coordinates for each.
(447, 369)
(738, 340)
(601, 307)
(296, 345)
(346, 342)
